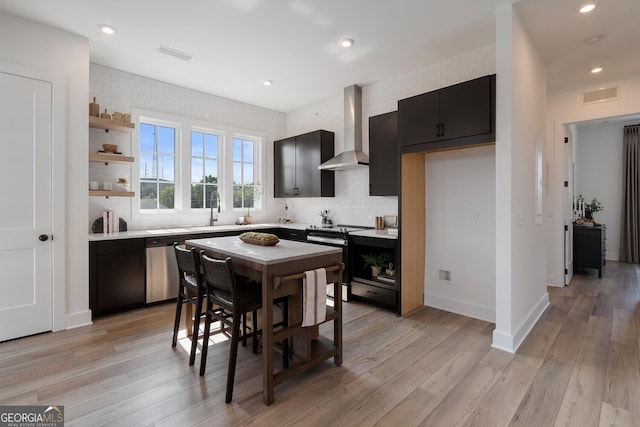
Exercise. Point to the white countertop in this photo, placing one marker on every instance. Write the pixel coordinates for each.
(381, 234)
(284, 251)
(159, 232)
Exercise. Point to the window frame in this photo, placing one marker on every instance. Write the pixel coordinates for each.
(219, 160)
(257, 182)
(182, 212)
(176, 162)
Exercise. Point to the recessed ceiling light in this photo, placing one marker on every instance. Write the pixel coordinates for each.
(596, 70)
(346, 42)
(268, 82)
(587, 8)
(108, 29)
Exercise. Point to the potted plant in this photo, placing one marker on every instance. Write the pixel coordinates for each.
(592, 207)
(377, 261)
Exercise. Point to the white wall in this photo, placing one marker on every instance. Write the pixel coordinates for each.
(564, 107)
(34, 45)
(520, 258)
(352, 204)
(120, 91)
(461, 231)
(116, 90)
(472, 292)
(599, 174)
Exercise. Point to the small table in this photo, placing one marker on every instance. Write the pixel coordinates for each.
(280, 270)
(589, 247)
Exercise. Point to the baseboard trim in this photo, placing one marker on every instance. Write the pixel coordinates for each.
(464, 308)
(76, 320)
(510, 343)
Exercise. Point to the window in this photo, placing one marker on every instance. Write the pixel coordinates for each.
(157, 166)
(187, 166)
(204, 169)
(244, 170)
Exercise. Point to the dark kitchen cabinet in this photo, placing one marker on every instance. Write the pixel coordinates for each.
(381, 290)
(291, 234)
(455, 116)
(589, 247)
(284, 167)
(296, 162)
(383, 154)
(116, 275)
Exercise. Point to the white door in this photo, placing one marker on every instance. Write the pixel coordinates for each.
(25, 206)
(568, 206)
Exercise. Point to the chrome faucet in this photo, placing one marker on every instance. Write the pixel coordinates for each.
(212, 220)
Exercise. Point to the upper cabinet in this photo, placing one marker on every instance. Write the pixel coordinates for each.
(383, 154)
(452, 117)
(296, 162)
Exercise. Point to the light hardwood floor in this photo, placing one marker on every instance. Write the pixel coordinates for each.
(579, 366)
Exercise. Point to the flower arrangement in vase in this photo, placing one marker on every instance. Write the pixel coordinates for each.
(585, 210)
(257, 193)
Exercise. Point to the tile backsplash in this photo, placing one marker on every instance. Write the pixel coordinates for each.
(121, 91)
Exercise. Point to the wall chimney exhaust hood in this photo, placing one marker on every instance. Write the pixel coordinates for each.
(352, 155)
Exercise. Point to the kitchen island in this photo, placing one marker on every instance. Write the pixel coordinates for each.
(280, 270)
(124, 274)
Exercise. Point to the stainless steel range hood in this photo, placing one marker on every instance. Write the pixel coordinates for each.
(352, 155)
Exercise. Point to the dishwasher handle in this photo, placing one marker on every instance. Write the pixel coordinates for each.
(160, 243)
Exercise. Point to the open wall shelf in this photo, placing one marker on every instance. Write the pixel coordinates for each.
(106, 124)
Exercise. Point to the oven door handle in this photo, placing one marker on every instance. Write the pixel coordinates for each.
(327, 240)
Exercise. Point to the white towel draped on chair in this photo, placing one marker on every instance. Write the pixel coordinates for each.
(314, 297)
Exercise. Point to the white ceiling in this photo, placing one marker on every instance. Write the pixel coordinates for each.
(560, 33)
(237, 44)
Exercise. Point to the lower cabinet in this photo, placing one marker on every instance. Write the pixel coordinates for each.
(117, 268)
(382, 289)
(589, 248)
(291, 234)
(116, 275)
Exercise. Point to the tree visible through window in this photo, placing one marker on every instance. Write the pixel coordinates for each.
(243, 173)
(204, 169)
(157, 166)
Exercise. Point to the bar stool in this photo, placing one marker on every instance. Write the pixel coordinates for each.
(224, 291)
(190, 290)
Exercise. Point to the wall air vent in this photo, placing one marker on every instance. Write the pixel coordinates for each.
(601, 95)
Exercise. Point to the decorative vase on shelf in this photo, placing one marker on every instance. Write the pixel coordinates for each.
(94, 108)
(376, 270)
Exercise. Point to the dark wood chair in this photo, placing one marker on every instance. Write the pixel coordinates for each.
(191, 290)
(233, 295)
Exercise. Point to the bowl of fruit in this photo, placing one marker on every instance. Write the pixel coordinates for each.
(257, 238)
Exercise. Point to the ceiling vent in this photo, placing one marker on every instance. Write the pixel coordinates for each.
(601, 95)
(175, 53)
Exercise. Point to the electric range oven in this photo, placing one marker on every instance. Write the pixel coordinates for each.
(338, 237)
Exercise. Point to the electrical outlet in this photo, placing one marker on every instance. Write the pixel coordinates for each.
(445, 275)
(476, 216)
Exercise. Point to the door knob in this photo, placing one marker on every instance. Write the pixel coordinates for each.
(43, 237)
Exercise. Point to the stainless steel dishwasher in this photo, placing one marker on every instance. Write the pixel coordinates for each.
(162, 268)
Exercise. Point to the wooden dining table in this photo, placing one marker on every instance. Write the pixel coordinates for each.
(280, 269)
